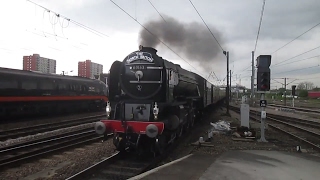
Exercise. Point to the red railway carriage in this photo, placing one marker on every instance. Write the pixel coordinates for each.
(314, 94)
(26, 93)
(152, 102)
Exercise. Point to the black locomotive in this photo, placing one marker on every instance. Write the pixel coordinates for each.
(26, 94)
(152, 101)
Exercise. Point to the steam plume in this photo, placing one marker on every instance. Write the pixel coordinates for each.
(192, 40)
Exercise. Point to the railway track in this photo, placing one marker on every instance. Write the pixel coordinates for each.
(122, 166)
(303, 122)
(19, 153)
(296, 108)
(40, 128)
(118, 166)
(303, 130)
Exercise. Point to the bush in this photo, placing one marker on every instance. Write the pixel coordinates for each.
(303, 93)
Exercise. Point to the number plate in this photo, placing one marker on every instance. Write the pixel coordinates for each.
(137, 67)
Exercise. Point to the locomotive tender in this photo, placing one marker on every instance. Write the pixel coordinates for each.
(27, 93)
(153, 101)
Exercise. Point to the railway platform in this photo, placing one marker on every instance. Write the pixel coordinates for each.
(239, 164)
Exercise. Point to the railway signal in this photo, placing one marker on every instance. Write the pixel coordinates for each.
(293, 90)
(263, 73)
(293, 93)
(263, 85)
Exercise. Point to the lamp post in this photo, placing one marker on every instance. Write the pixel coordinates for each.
(226, 53)
(66, 72)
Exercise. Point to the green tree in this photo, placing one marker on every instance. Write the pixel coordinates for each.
(316, 89)
(303, 93)
(281, 91)
(305, 85)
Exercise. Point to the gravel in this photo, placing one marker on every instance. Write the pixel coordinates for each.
(61, 165)
(11, 142)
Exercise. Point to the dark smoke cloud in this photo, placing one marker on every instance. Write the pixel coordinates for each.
(192, 40)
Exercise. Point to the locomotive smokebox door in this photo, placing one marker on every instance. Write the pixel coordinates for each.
(141, 75)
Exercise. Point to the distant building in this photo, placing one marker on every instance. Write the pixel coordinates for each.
(37, 63)
(89, 69)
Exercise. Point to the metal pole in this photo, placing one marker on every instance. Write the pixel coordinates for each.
(252, 79)
(263, 118)
(292, 101)
(227, 89)
(285, 91)
(230, 88)
(292, 98)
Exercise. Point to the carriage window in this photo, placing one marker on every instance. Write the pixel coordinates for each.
(46, 85)
(91, 89)
(97, 89)
(28, 85)
(8, 84)
(77, 88)
(83, 88)
(62, 87)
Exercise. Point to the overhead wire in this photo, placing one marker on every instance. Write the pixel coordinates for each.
(54, 21)
(296, 56)
(43, 21)
(296, 38)
(62, 27)
(309, 78)
(245, 68)
(206, 25)
(72, 21)
(243, 73)
(297, 61)
(297, 69)
(215, 75)
(258, 33)
(255, 46)
(316, 73)
(153, 35)
(157, 11)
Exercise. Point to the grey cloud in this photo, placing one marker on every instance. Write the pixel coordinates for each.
(281, 20)
(238, 21)
(100, 15)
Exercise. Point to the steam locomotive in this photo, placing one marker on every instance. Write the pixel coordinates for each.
(29, 94)
(153, 101)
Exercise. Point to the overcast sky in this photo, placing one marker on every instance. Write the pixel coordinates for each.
(27, 29)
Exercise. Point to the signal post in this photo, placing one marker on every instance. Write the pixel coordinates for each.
(263, 86)
(293, 93)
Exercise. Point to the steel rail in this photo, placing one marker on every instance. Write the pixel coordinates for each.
(11, 155)
(40, 128)
(124, 165)
(296, 108)
(280, 120)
